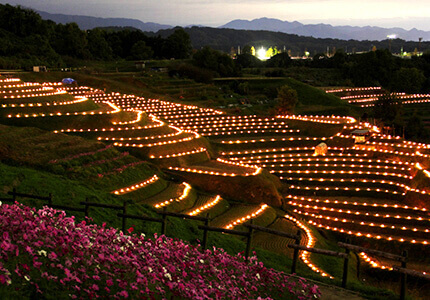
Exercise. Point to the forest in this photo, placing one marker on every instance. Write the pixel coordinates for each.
(26, 40)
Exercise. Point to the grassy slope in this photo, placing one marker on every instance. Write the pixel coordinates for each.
(71, 192)
(311, 100)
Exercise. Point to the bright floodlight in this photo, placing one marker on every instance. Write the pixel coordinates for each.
(391, 36)
(261, 53)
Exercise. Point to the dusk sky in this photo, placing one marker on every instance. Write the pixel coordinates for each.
(385, 13)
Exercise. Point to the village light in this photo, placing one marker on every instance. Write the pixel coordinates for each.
(261, 54)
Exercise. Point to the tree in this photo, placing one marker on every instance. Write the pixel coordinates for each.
(373, 68)
(98, 46)
(216, 61)
(246, 50)
(388, 108)
(415, 128)
(141, 51)
(408, 80)
(281, 60)
(339, 58)
(287, 100)
(248, 61)
(178, 45)
(70, 40)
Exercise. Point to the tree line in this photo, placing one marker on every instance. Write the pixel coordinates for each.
(26, 39)
(224, 39)
(380, 68)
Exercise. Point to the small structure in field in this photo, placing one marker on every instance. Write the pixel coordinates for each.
(321, 149)
(361, 135)
(140, 65)
(39, 69)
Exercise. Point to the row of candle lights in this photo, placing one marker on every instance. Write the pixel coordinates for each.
(136, 186)
(185, 193)
(205, 207)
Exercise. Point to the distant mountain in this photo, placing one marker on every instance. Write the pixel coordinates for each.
(86, 22)
(328, 31)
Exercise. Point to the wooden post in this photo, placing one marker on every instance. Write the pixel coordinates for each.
(403, 277)
(124, 218)
(87, 207)
(248, 242)
(164, 222)
(296, 253)
(345, 268)
(205, 233)
(358, 265)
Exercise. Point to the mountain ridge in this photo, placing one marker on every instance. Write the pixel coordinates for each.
(322, 30)
(89, 22)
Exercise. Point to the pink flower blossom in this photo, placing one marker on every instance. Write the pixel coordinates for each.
(61, 256)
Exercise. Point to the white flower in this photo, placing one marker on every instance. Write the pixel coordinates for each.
(258, 276)
(42, 252)
(167, 275)
(150, 269)
(202, 261)
(1, 203)
(27, 278)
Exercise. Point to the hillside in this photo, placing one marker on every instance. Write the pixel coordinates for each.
(254, 154)
(224, 39)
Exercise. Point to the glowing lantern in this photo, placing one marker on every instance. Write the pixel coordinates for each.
(321, 149)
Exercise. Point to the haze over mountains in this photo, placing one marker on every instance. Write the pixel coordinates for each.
(276, 25)
(329, 31)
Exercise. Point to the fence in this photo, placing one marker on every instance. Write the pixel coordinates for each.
(247, 234)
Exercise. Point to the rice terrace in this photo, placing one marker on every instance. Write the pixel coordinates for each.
(164, 156)
(212, 163)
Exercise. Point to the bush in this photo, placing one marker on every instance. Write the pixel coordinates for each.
(192, 72)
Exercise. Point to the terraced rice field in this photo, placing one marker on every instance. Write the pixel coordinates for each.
(386, 177)
(382, 168)
(121, 121)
